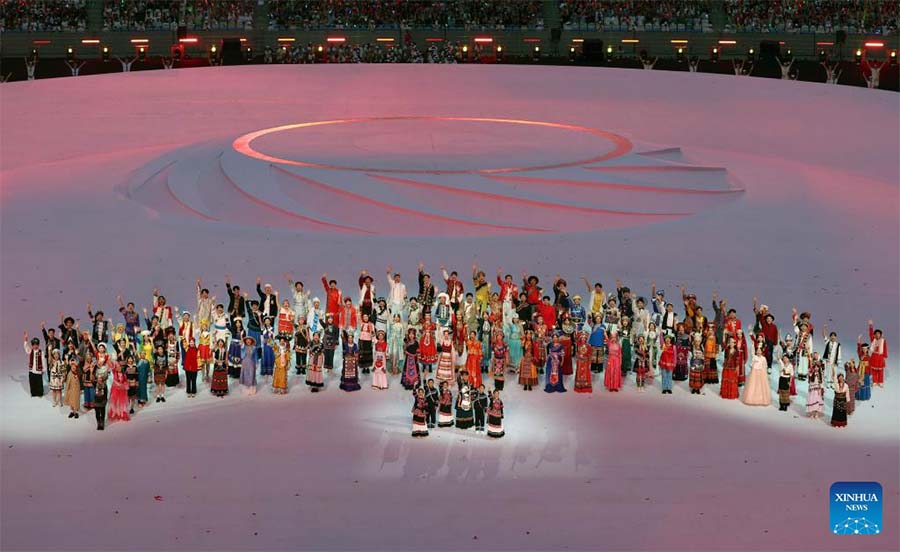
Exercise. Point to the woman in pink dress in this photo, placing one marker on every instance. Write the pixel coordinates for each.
(117, 409)
(613, 378)
(757, 391)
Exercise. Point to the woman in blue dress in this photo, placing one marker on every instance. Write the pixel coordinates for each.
(514, 340)
(267, 363)
(864, 392)
(350, 373)
(553, 368)
(235, 349)
(248, 364)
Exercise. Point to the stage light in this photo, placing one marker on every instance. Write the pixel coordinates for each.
(858, 55)
(572, 54)
(106, 53)
(34, 53)
(499, 53)
(874, 44)
(499, 49)
(894, 57)
(751, 53)
(248, 53)
(823, 56)
(680, 55)
(142, 53)
(465, 49)
(536, 54)
(70, 53)
(715, 54)
(789, 53)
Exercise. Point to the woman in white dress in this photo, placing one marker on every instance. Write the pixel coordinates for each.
(757, 391)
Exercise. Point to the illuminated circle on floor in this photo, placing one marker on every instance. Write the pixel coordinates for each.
(620, 144)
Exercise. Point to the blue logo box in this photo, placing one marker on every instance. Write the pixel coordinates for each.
(856, 508)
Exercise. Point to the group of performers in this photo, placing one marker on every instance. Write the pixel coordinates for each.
(461, 337)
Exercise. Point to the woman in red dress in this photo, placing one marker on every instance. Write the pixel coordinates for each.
(613, 378)
(729, 387)
(473, 360)
(740, 342)
(117, 409)
(427, 344)
(877, 353)
(582, 363)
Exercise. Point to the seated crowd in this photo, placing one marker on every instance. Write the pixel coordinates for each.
(814, 16)
(635, 15)
(156, 15)
(31, 15)
(381, 14)
(442, 52)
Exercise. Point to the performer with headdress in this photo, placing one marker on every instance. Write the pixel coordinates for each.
(410, 378)
(499, 354)
(282, 364)
(427, 345)
(553, 367)
(350, 372)
(445, 406)
(219, 383)
(495, 416)
(314, 374)
(366, 337)
(582, 363)
(528, 372)
(248, 364)
(379, 365)
(446, 357)
(420, 413)
(464, 416)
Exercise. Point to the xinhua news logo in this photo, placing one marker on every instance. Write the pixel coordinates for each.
(856, 508)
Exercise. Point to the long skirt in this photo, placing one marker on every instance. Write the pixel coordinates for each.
(172, 378)
(445, 367)
(613, 378)
(36, 383)
(729, 387)
(864, 392)
(445, 416)
(464, 418)
(784, 391)
(72, 396)
(681, 364)
(365, 354)
(528, 373)
(219, 384)
(697, 375)
(793, 386)
(143, 374)
(280, 378)
(350, 375)
(566, 368)
(711, 372)
(814, 400)
(757, 391)
(234, 356)
(852, 385)
(420, 428)
(475, 378)
(583, 376)
(267, 363)
(117, 409)
(495, 426)
(839, 412)
(410, 378)
(515, 353)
